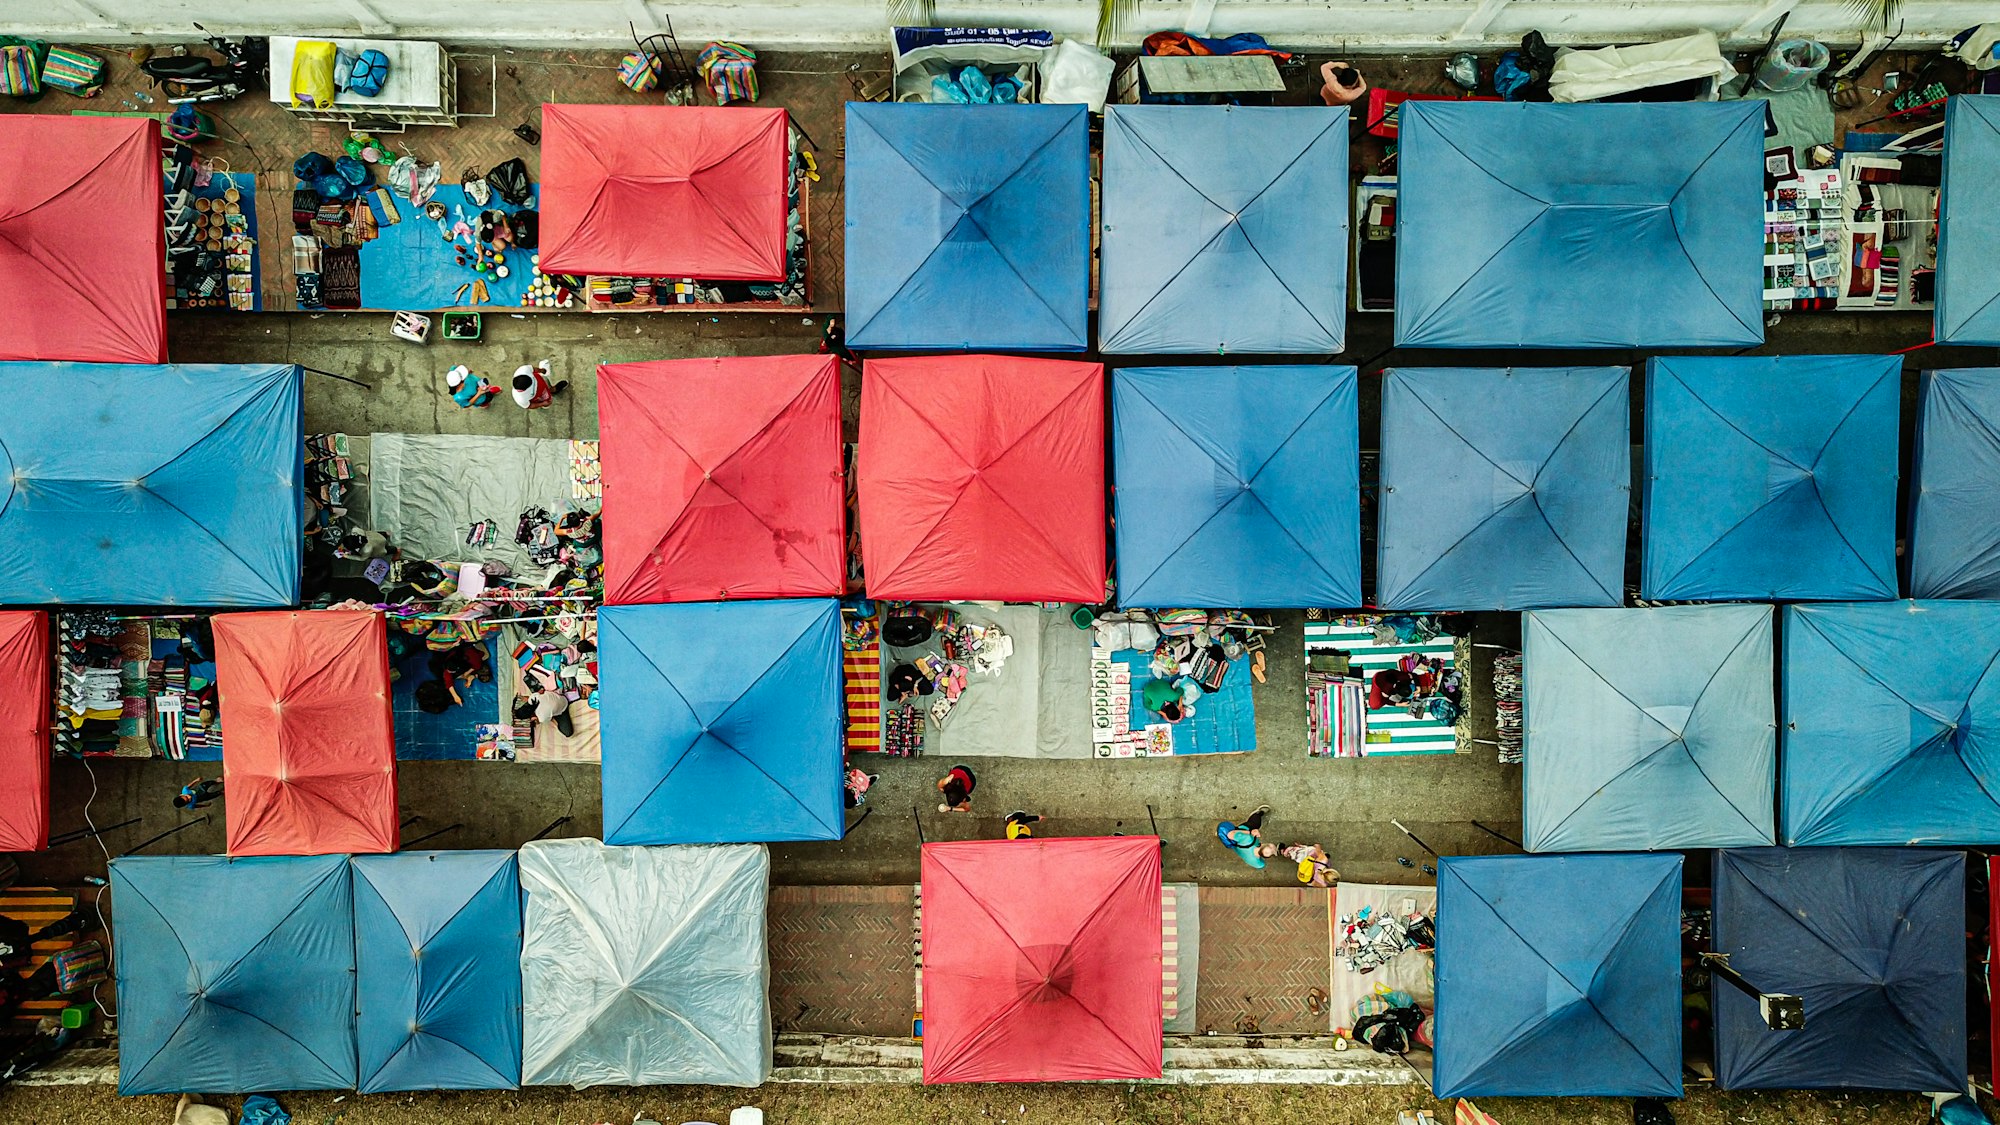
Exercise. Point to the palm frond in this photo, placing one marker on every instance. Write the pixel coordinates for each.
(912, 13)
(1875, 16)
(1113, 17)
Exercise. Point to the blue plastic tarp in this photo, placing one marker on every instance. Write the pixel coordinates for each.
(968, 226)
(1223, 230)
(1580, 226)
(1954, 537)
(1871, 939)
(135, 484)
(1237, 486)
(1503, 488)
(1887, 706)
(1626, 751)
(1968, 274)
(234, 975)
(1770, 477)
(721, 721)
(1559, 975)
(437, 949)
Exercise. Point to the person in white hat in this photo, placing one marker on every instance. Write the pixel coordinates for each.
(532, 389)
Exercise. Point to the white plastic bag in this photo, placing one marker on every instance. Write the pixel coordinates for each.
(1077, 74)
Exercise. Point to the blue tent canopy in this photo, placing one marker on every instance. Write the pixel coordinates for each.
(721, 721)
(1559, 975)
(234, 975)
(968, 226)
(1223, 230)
(1626, 751)
(1871, 939)
(1954, 539)
(1503, 488)
(134, 484)
(1237, 486)
(1771, 477)
(1968, 275)
(1891, 712)
(437, 949)
(1580, 226)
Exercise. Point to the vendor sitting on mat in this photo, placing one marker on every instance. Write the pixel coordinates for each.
(1172, 700)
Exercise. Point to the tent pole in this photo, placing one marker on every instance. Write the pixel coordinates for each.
(857, 823)
(1413, 836)
(553, 825)
(84, 833)
(1489, 832)
(1149, 818)
(431, 835)
(917, 818)
(342, 378)
(144, 844)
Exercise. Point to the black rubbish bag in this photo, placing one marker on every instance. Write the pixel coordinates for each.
(511, 182)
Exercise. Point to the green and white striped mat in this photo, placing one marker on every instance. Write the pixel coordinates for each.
(1405, 734)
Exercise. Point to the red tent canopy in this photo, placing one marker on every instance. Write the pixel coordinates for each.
(1042, 959)
(982, 478)
(309, 754)
(665, 191)
(24, 731)
(82, 247)
(722, 479)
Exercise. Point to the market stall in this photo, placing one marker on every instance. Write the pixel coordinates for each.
(982, 478)
(1503, 489)
(665, 191)
(644, 966)
(24, 732)
(1577, 226)
(192, 500)
(1886, 706)
(234, 975)
(1217, 233)
(1872, 940)
(1384, 685)
(1625, 751)
(1746, 501)
(1968, 228)
(1174, 682)
(723, 479)
(972, 681)
(311, 764)
(1559, 975)
(1954, 544)
(82, 246)
(1040, 960)
(722, 722)
(968, 226)
(437, 951)
(1236, 486)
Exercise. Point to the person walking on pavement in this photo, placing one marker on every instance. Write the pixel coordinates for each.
(532, 389)
(1020, 825)
(957, 786)
(198, 793)
(1245, 839)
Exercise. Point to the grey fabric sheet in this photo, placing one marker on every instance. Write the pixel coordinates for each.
(425, 490)
(1037, 707)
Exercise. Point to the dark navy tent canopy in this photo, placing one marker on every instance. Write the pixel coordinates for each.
(1237, 486)
(1954, 539)
(1626, 751)
(1771, 477)
(134, 484)
(1871, 939)
(234, 975)
(1223, 230)
(1580, 226)
(1892, 723)
(1503, 488)
(721, 721)
(1559, 975)
(968, 226)
(437, 949)
(1968, 274)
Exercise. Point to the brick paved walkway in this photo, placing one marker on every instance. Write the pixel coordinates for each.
(1262, 950)
(840, 959)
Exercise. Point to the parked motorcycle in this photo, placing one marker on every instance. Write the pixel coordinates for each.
(245, 65)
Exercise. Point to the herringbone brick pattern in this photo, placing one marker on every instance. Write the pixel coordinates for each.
(840, 959)
(1263, 950)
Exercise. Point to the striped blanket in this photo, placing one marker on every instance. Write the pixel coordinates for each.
(1390, 730)
(861, 683)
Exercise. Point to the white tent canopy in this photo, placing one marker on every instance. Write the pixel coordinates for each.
(644, 966)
